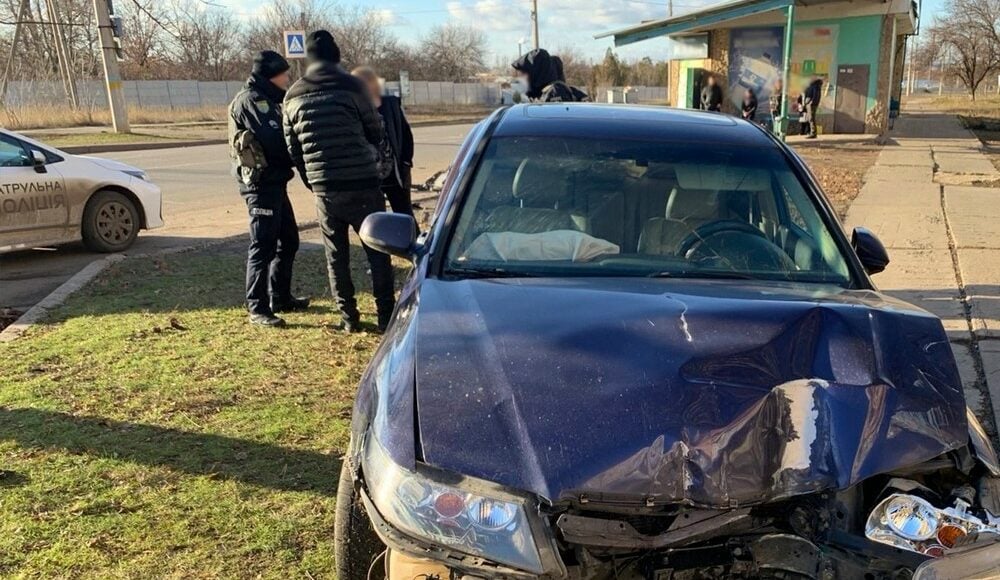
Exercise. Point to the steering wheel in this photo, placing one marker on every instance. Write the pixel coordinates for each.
(706, 231)
(754, 247)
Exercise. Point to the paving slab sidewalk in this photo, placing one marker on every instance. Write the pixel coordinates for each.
(944, 240)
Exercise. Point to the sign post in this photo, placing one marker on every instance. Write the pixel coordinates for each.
(404, 84)
(295, 44)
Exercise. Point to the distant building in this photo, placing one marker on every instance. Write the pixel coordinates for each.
(851, 45)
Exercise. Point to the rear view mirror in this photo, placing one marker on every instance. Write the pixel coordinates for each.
(390, 233)
(38, 160)
(870, 250)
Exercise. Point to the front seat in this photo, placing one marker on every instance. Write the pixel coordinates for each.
(686, 211)
(538, 188)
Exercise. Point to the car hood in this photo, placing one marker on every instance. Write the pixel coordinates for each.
(707, 393)
(110, 164)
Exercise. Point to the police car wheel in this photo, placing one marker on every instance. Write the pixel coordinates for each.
(110, 222)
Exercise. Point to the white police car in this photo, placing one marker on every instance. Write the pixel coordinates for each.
(49, 197)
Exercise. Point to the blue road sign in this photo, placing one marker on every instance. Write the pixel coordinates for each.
(295, 44)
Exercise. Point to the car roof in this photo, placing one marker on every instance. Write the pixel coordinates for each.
(600, 121)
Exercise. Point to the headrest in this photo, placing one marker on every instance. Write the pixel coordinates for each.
(721, 177)
(540, 183)
(687, 204)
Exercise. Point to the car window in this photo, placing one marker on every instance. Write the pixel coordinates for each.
(13, 154)
(557, 206)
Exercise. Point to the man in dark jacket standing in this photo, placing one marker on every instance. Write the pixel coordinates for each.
(263, 169)
(332, 130)
(810, 104)
(395, 153)
(711, 95)
(544, 82)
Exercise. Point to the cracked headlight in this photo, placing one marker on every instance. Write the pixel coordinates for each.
(467, 516)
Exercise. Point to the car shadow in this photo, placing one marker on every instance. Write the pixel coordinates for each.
(251, 462)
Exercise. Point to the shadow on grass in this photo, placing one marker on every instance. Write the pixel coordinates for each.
(210, 279)
(216, 456)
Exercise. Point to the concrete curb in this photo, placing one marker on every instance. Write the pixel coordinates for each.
(78, 281)
(39, 311)
(121, 147)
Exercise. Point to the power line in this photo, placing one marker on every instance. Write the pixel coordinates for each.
(156, 20)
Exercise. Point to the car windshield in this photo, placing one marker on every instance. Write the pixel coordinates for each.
(551, 206)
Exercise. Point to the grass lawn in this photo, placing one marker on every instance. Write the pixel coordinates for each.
(103, 138)
(148, 431)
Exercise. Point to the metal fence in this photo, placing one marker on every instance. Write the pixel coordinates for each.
(193, 94)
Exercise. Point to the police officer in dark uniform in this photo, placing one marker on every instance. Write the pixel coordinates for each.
(263, 169)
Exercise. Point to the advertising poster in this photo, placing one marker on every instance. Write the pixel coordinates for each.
(814, 52)
(754, 63)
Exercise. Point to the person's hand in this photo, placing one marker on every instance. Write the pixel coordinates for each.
(407, 177)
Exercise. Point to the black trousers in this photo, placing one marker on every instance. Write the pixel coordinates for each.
(399, 198)
(274, 240)
(339, 212)
(397, 194)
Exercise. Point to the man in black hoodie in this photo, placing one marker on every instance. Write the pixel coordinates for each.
(332, 130)
(810, 104)
(544, 79)
(263, 169)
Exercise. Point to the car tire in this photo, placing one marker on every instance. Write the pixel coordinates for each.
(111, 222)
(355, 543)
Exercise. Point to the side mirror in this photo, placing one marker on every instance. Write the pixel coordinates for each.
(390, 233)
(870, 250)
(38, 160)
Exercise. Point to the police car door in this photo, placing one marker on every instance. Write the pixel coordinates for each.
(33, 201)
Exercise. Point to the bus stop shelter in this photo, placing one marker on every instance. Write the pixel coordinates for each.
(855, 46)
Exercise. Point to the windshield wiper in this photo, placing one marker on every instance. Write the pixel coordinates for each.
(487, 272)
(703, 274)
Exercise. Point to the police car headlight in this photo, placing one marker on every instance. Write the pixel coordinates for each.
(488, 524)
(137, 173)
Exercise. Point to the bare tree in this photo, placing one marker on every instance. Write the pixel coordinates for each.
(206, 42)
(969, 31)
(265, 32)
(452, 53)
(575, 66)
(145, 45)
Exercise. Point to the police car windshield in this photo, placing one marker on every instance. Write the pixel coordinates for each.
(555, 206)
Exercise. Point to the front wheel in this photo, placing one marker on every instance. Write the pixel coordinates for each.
(110, 222)
(355, 543)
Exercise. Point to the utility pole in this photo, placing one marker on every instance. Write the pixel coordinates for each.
(909, 65)
(943, 64)
(534, 22)
(670, 8)
(112, 76)
(13, 49)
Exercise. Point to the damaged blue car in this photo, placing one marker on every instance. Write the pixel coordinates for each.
(637, 344)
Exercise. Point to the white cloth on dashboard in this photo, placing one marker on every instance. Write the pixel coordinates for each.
(547, 246)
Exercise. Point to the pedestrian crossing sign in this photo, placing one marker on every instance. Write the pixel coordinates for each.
(295, 43)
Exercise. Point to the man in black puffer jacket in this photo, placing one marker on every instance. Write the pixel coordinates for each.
(332, 130)
(544, 82)
(263, 169)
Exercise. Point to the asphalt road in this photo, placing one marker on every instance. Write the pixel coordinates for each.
(200, 204)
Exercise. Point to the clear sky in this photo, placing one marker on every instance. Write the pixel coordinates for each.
(563, 23)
